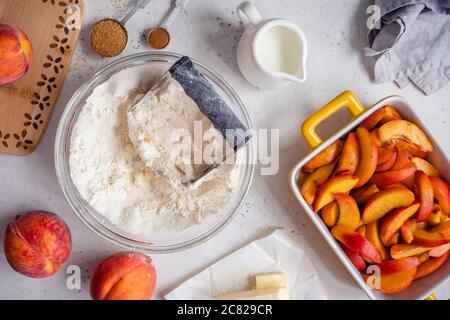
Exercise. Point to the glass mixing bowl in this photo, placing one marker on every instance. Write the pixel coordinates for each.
(161, 61)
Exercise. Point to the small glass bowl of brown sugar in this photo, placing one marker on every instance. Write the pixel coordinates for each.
(108, 37)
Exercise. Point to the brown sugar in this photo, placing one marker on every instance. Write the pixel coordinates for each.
(158, 38)
(108, 38)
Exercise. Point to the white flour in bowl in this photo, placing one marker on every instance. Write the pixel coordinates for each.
(109, 175)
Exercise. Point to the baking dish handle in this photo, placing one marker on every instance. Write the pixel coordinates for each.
(346, 99)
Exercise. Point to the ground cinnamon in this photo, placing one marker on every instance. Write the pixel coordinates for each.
(108, 38)
(158, 38)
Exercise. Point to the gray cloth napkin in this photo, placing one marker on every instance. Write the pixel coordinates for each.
(412, 43)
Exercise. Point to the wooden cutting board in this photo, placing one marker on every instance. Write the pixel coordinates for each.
(26, 106)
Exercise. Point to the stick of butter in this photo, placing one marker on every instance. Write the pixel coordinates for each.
(257, 294)
(271, 280)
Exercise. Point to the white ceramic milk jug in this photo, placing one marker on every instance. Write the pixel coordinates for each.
(271, 53)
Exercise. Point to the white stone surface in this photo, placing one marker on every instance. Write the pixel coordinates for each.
(209, 31)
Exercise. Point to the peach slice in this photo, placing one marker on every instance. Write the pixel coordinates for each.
(403, 159)
(373, 120)
(425, 166)
(437, 252)
(390, 115)
(397, 282)
(431, 266)
(394, 220)
(355, 258)
(400, 251)
(349, 215)
(350, 155)
(373, 236)
(415, 140)
(425, 194)
(312, 182)
(387, 161)
(386, 200)
(353, 240)
(341, 183)
(369, 156)
(364, 193)
(394, 239)
(375, 137)
(443, 228)
(124, 276)
(395, 266)
(330, 214)
(441, 193)
(429, 238)
(408, 228)
(329, 155)
(393, 176)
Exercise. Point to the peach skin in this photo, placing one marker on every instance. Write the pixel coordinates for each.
(396, 266)
(356, 242)
(431, 265)
(355, 258)
(364, 193)
(373, 236)
(350, 155)
(369, 156)
(15, 54)
(392, 177)
(390, 115)
(394, 220)
(373, 120)
(124, 276)
(400, 251)
(330, 214)
(312, 182)
(37, 244)
(329, 155)
(407, 135)
(386, 200)
(348, 211)
(441, 191)
(425, 194)
(340, 183)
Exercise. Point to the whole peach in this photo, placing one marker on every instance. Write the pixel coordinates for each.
(15, 54)
(124, 276)
(37, 244)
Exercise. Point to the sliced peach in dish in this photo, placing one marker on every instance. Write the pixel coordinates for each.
(356, 242)
(350, 155)
(390, 115)
(429, 238)
(441, 192)
(355, 258)
(394, 176)
(349, 215)
(394, 220)
(369, 156)
(431, 266)
(373, 236)
(312, 182)
(364, 193)
(372, 121)
(408, 134)
(387, 162)
(396, 282)
(329, 155)
(425, 194)
(330, 214)
(408, 228)
(386, 200)
(403, 159)
(437, 252)
(395, 266)
(341, 183)
(400, 251)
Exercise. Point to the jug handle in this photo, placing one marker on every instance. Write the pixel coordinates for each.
(248, 14)
(346, 99)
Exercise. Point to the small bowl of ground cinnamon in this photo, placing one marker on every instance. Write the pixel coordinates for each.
(108, 37)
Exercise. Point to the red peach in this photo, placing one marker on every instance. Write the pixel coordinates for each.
(37, 244)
